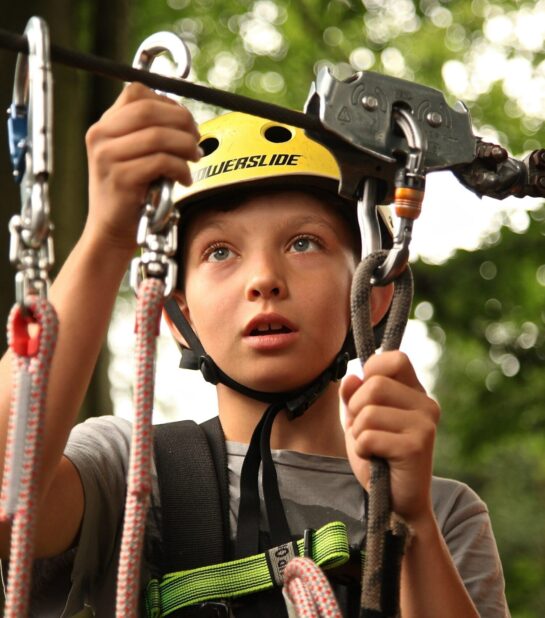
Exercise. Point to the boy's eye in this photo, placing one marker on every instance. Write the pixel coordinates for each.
(304, 244)
(218, 254)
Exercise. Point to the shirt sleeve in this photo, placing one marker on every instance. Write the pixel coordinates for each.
(86, 575)
(465, 524)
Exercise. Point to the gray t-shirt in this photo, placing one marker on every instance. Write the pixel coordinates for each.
(315, 490)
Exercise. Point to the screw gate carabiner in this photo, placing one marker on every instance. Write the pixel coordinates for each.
(371, 239)
(158, 227)
(409, 194)
(30, 136)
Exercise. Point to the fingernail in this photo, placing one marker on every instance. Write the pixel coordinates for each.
(200, 152)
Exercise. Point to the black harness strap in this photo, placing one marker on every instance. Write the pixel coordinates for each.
(216, 441)
(189, 460)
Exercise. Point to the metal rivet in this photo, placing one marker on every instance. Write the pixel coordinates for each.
(434, 119)
(370, 103)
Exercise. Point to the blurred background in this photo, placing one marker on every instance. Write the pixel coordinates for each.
(477, 333)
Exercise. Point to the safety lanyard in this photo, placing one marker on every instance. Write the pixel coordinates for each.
(153, 277)
(387, 534)
(32, 325)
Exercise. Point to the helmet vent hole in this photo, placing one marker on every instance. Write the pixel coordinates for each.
(277, 134)
(208, 145)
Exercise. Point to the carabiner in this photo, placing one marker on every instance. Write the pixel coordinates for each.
(158, 226)
(159, 196)
(409, 194)
(30, 124)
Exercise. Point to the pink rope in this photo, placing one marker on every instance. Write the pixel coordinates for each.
(148, 312)
(32, 355)
(309, 590)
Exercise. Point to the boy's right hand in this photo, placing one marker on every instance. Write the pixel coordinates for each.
(142, 137)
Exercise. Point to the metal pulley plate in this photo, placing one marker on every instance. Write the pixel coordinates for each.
(358, 115)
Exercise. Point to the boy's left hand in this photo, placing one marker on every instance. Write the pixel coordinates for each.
(389, 415)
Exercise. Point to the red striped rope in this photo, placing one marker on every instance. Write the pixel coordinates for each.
(22, 463)
(309, 590)
(148, 313)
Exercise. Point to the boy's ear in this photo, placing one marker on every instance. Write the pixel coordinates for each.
(381, 299)
(180, 299)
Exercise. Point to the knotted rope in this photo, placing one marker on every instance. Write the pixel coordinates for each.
(148, 313)
(387, 534)
(32, 353)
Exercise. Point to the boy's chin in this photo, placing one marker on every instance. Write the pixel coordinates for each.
(280, 381)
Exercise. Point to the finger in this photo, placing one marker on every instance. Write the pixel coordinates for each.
(146, 112)
(141, 172)
(146, 142)
(393, 420)
(390, 446)
(379, 390)
(133, 92)
(394, 364)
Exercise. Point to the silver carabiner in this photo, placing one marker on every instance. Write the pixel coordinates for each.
(409, 194)
(158, 226)
(30, 128)
(159, 195)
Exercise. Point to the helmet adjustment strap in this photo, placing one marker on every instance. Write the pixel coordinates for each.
(296, 401)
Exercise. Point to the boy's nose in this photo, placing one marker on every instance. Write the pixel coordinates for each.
(265, 284)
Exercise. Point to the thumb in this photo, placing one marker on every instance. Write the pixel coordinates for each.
(349, 386)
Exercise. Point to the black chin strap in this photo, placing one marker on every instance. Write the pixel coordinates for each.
(295, 402)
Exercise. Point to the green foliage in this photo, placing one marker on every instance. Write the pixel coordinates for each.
(489, 312)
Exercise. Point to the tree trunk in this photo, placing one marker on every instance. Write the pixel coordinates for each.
(98, 27)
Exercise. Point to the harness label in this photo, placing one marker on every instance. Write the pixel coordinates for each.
(277, 560)
(258, 160)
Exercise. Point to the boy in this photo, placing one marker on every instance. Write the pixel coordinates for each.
(265, 286)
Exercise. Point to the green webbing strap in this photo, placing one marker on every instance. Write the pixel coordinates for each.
(240, 577)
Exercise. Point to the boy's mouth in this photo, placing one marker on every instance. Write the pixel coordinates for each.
(268, 324)
(268, 329)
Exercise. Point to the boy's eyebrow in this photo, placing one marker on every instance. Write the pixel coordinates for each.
(293, 220)
(314, 219)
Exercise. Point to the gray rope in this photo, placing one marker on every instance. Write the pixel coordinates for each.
(387, 534)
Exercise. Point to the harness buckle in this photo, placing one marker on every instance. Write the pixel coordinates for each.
(215, 609)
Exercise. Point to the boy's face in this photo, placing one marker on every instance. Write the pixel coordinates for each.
(267, 287)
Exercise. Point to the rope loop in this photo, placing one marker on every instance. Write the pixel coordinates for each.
(32, 353)
(387, 534)
(309, 591)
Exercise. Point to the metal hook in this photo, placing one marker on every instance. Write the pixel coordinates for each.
(409, 195)
(159, 195)
(30, 123)
(158, 227)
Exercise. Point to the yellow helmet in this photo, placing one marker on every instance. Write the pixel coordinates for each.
(240, 149)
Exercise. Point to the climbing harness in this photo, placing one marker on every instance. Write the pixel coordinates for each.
(192, 468)
(32, 324)
(243, 576)
(153, 276)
